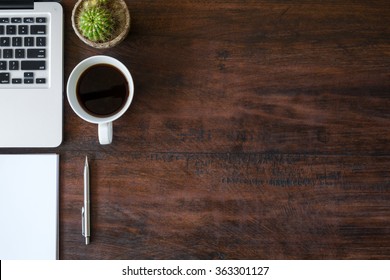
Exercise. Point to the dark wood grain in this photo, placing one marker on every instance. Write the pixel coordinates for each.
(258, 130)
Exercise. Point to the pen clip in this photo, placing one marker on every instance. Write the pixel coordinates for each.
(82, 221)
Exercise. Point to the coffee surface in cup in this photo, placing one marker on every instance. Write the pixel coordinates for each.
(102, 90)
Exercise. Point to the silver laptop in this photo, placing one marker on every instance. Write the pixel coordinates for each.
(31, 73)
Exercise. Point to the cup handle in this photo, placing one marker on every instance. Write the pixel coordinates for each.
(105, 133)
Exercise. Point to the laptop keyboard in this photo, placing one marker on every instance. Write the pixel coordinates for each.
(23, 52)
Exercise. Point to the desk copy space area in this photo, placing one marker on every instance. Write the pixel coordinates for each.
(258, 130)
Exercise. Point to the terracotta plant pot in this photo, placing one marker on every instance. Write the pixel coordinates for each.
(122, 18)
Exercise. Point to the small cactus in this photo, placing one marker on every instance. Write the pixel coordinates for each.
(101, 23)
(96, 22)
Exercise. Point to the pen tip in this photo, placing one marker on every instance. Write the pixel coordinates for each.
(86, 159)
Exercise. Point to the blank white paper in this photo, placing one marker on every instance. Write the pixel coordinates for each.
(29, 206)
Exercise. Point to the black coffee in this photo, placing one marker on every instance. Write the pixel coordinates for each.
(102, 90)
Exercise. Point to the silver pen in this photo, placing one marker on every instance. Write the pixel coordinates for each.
(85, 211)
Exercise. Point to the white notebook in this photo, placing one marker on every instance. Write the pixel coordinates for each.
(29, 187)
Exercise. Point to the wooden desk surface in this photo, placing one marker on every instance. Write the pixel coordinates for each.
(258, 130)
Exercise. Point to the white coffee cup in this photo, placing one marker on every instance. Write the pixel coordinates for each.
(105, 130)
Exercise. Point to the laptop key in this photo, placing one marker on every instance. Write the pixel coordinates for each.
(33, 65)
(11, 29)
(41, 41)
(23, 29)
(5, 41)
(38, 29)
(36, 53)
(16, 41)
(4, 78)
(8, 53)
(3, 65)
(28, 20)
(28, 41)
(20, 53)
(17, 81)
(14, 65)
(41, 19)
(16, 20)
(40, 81)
